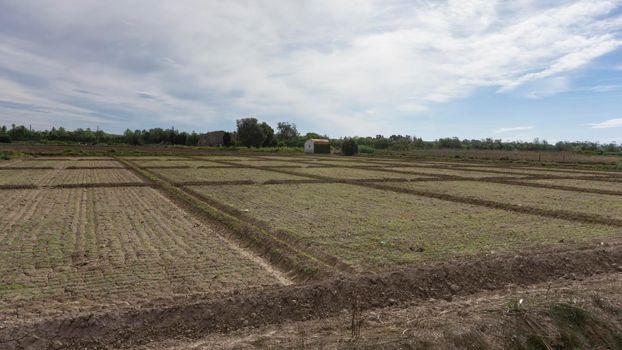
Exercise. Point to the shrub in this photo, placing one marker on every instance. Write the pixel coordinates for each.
(366, 149)
(349, 147)
(4, 138)
(4, 155)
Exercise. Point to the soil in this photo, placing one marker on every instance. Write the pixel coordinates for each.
(132, 327)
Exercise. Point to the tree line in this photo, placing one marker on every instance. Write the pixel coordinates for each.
(250, 132)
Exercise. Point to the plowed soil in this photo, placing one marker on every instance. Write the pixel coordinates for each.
(68, 249)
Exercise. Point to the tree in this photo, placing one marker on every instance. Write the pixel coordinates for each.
(349, 147)
(287, 133)
(250, 133)
(270, 140)
(227, 139)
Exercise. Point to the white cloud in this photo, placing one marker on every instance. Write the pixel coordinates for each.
(318, 63)
(611, 123)
(510, 129)
(605, 88)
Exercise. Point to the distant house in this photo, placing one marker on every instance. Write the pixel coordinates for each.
(212, 139)
(317, 146)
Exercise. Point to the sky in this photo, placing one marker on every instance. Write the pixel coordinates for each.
(511, 70)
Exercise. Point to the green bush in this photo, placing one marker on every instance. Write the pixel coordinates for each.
(4, 155)
(349, 147)
(366, 149)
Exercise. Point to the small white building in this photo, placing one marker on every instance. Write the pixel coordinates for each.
(317, 146)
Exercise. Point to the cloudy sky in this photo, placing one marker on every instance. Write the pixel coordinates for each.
(514, 69)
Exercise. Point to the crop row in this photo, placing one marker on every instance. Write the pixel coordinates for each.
(104, 243)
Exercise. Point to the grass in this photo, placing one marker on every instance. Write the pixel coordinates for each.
(222, 174)
(377, 229)
(609, 206)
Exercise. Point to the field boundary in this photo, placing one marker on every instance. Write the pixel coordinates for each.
(132, 327)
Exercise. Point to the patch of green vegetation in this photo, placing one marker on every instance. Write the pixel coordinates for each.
(9, 287)
(6, 155)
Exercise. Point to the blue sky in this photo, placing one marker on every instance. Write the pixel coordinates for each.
(514, 70)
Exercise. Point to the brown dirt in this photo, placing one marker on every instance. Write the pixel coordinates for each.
(484, 320)
(131, 327)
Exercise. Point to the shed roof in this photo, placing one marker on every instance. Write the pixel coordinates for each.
(320, 141)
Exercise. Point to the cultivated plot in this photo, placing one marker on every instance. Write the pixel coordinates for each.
(587, 184)
(177, 163)
(109, 245)
(529, 172)
(38, 164)
(101, 163)
(271, 163)
(608, 206)
(23, 177)
(454, 172)
(91, 176)
(376, 229)
(223, 174)
(343, 163)
(354, 173)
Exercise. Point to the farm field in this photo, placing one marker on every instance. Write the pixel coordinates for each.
(534, 172)
(367, 228)
(172, 162)
(608, 206)
(101, 245)
(119, 252)
(91, 176)
(598, 185)
(271, 163)
(98, 163)
(454, 172)
(346, 173)
(33, 164)
(223, 174)
(23, 177)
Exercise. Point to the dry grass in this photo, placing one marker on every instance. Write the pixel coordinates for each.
(377, 229)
